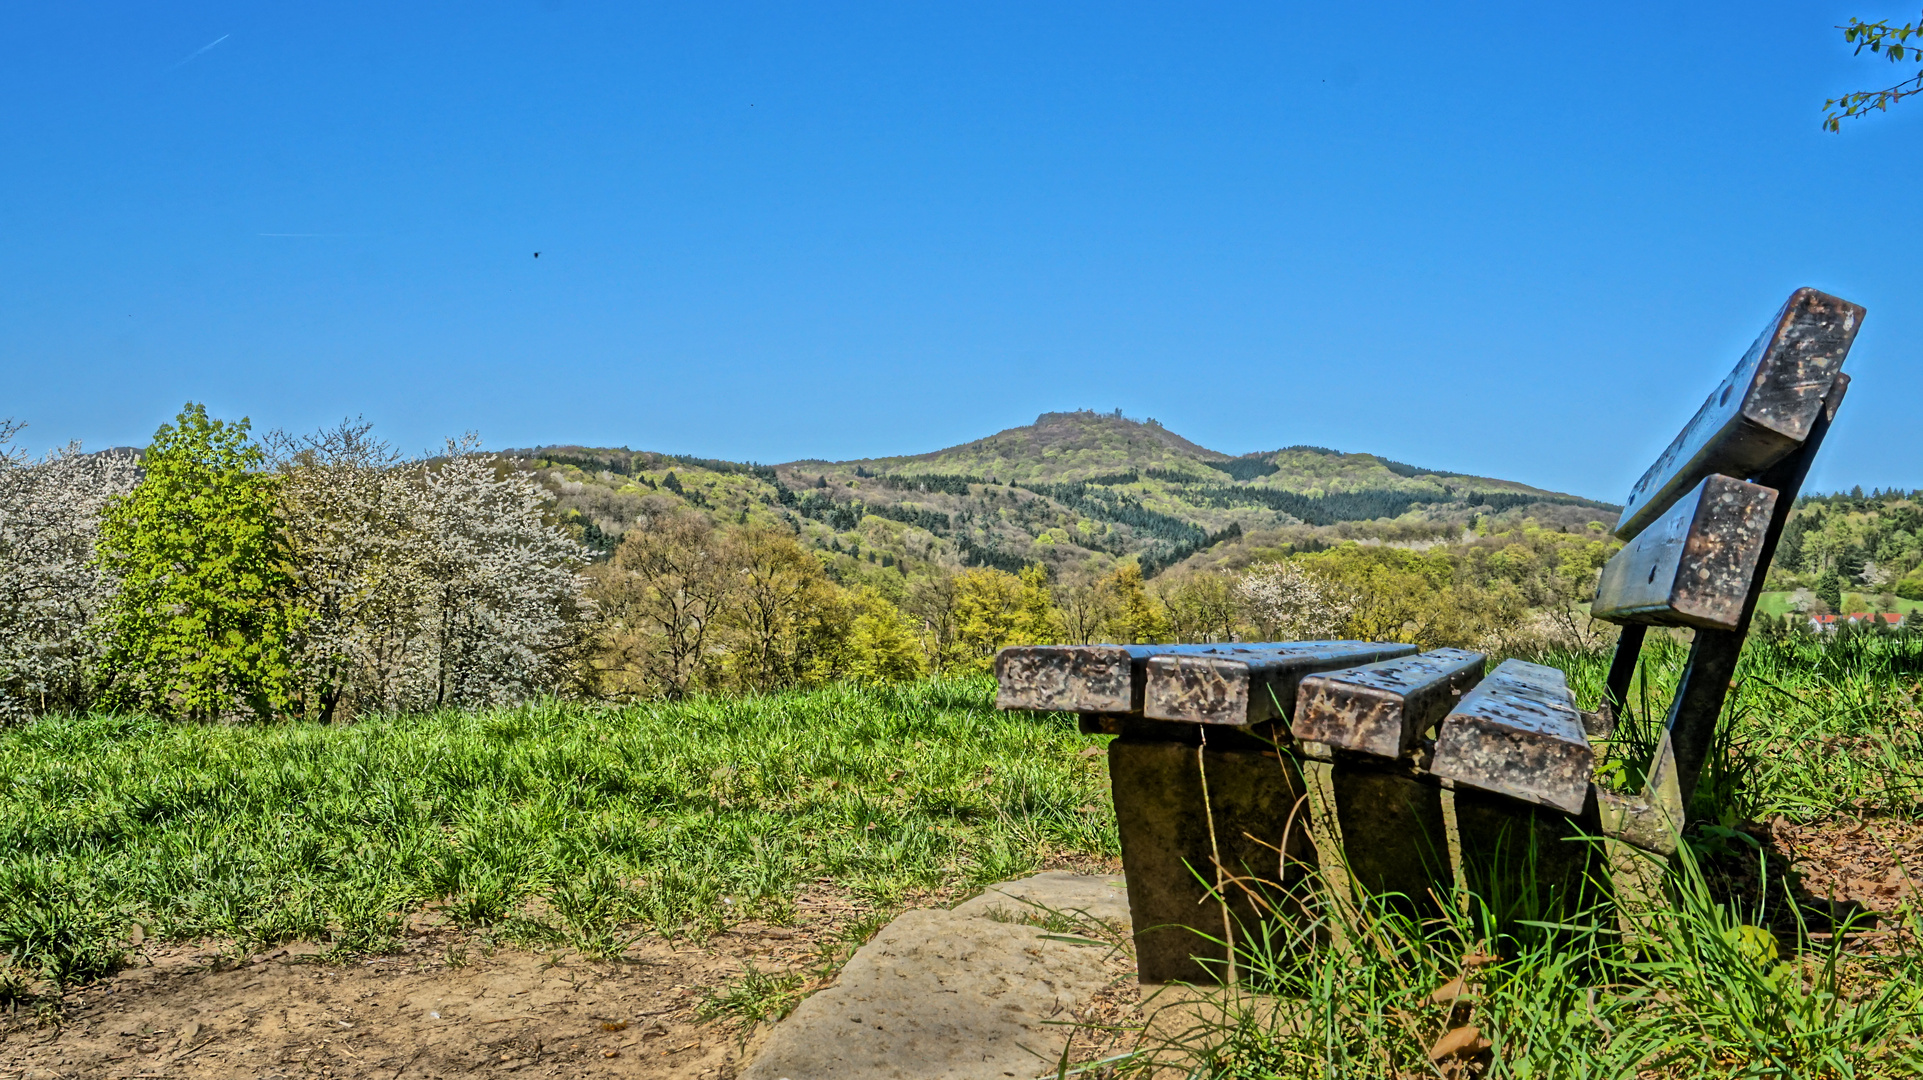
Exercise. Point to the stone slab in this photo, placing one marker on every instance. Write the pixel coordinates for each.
(950, 995)
(1101, 897)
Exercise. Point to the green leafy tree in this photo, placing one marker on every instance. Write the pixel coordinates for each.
(881, 643)
(201, 624)
(783, 622)
(1899, 45)
(1036, 620)
(1202, 607)
(988, 606)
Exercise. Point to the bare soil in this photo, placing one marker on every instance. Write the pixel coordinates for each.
(452, 1004)
(448, 1004)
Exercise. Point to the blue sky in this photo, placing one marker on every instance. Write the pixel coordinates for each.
(1520, 240)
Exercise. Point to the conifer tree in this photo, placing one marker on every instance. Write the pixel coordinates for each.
(1829, 589)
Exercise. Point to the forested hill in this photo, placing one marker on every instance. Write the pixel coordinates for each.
(1069, 489)
(1853, 552)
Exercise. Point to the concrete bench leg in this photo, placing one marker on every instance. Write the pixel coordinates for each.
(1193, 861)
(1522, 860)
(1637, 879)
(1378, 832)
(1643, 834)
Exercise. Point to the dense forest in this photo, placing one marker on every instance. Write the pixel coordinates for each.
(217, 574)
(1069, 492)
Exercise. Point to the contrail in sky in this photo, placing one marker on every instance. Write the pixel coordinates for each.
(200, 50)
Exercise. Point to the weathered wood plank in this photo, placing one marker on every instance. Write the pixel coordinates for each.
(1694, 565)
(1518, 734)
(1760, 412)
(1384, 708)
(1248, 688)
(1087, 678)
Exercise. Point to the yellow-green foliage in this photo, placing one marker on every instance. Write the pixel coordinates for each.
(200, 624)
(1462, 594)
(994, 608)
(1138, 618)
(882, 646)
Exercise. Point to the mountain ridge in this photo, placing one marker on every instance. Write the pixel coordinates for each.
(1071, 489)
(1053, 429)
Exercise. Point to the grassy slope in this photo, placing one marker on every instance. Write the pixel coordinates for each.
(677, 816)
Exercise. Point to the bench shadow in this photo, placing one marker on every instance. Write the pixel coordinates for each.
(1747, 871)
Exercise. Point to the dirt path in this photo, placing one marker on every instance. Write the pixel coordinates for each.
(445, 1006)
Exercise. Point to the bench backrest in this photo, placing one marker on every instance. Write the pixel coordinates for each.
(1761, 412)
(1703, 522)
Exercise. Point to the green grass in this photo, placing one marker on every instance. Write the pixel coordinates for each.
(1814, 726)
(1777, 603)
(551, 821)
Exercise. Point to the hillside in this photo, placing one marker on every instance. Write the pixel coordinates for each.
(1068, 490)
(1851, 552)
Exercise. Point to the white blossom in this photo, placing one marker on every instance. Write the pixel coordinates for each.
(500, 587)
(1286, 603)
(49, 586)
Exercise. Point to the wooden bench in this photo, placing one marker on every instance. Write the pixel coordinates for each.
(1236, 767)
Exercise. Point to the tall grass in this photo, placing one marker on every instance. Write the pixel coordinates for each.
(551, 820)
(591, 824)
(1704, 994)
(1813, 728)
(1814, 725)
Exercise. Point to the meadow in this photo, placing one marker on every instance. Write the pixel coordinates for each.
(546, 822)
(590, 825)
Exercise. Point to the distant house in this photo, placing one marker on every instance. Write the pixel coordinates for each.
(1828, 623)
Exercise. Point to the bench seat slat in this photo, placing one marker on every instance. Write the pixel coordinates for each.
(1106, 679)
(1252, 688)
(1518, 733)
(1384, 708)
